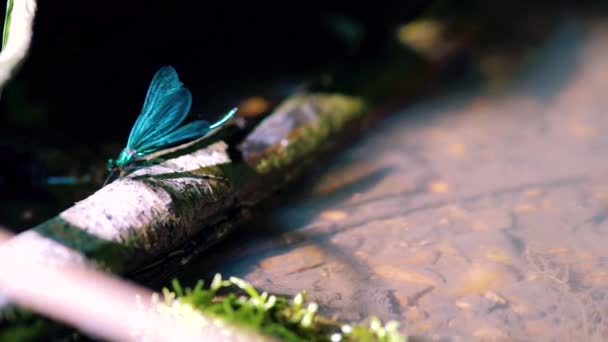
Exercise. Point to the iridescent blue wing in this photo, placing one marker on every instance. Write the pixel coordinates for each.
(192, 130)
(166, 106)
(195, 130)
(168, 116)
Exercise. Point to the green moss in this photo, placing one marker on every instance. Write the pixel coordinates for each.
(336, 111)
(287, 319)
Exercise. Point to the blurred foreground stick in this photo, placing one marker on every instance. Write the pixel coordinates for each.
(107, 308)
(155, 213)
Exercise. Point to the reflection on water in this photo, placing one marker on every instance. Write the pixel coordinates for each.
(479, 215)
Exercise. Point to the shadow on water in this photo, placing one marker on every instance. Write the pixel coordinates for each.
(544, 76)
(265, 236)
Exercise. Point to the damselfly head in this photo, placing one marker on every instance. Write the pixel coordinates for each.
(115, 169)
(112, 165)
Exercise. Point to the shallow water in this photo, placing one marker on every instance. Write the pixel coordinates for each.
(482, 214)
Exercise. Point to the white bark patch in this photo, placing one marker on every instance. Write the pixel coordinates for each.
(116, 210)
(131, 208)
(212, 155)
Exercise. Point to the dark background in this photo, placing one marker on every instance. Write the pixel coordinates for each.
(73, 102)
(91, 61)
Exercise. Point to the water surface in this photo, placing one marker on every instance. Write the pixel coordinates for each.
(479, 214)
